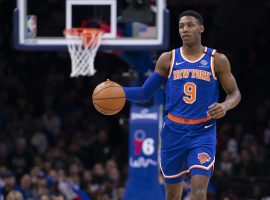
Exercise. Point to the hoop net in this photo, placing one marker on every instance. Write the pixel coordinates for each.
(82, 46)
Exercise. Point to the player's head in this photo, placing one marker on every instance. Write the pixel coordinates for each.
(190, 26)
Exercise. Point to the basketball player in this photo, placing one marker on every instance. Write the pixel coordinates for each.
(188, 137)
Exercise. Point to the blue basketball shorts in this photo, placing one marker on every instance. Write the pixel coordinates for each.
(187, 148)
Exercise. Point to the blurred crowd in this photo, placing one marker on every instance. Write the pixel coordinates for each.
(53, 142)
(54, 145)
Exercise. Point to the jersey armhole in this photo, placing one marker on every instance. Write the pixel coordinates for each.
(213, 64)
(172, 62)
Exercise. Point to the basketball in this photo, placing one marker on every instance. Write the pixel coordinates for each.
(109, 98)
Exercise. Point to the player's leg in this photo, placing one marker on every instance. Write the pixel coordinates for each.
(174, 191)
(201, 158)
(201, 163)
(199, 185)
(201, 167)
(173, 173)
(173, 158)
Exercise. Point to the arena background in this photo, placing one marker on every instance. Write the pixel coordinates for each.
(49, 128)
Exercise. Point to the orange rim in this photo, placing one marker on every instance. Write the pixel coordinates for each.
(82, 31)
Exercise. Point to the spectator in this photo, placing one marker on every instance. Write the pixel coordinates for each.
(120, 192)
(225, 166)
(110, 164)
(14, 195)
(20, 159)
(45, 197)
(40, 187)
(51, 122)
(52, 182)
(86, 182)
(74, 173)
(232, 148)
(58, 197)
(3, 145)
(3, 170)
(9, 184)
(26, 187)
(100, 150)
(266, 134)
(245, 168)
(98, 174)
(39, 140)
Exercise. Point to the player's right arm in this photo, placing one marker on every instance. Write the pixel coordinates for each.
(152, 83)
(163, 64)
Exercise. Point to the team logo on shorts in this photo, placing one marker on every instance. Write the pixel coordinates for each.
(204, 157)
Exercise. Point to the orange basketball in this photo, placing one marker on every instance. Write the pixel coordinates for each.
(109, 98)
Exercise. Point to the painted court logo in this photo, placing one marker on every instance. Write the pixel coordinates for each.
(204, 157)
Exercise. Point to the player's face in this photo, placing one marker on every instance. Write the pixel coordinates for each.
(190, 29)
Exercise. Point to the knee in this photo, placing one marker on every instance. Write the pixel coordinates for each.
(198, 194)
(174, 191)
(173, 196)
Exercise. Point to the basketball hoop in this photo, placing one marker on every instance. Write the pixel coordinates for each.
(82, 46)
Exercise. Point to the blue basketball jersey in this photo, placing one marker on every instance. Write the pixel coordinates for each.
(191, 85)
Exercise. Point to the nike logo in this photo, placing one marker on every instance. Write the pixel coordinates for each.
(164, 124)
(208, 126)
(179, 63)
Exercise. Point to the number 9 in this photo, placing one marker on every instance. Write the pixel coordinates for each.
(190, 92)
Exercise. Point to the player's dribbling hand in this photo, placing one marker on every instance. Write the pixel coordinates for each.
(217, 110)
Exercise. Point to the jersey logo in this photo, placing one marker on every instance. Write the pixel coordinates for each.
(179, 63)
(164, 124)
(203, 157)
(204, 62)
(208, 126)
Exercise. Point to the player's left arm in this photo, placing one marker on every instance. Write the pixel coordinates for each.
(228, 82)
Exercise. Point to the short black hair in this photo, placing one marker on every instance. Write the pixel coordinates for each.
(192, 13)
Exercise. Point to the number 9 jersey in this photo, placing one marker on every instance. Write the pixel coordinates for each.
(192, 85)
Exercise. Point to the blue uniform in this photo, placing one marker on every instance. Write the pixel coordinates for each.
(188, 137)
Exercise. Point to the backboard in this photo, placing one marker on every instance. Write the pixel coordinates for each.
(127, 24)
